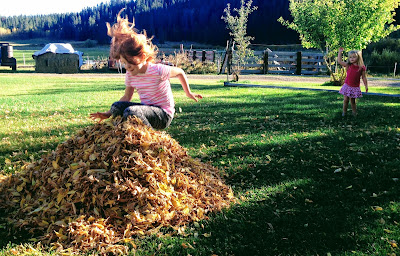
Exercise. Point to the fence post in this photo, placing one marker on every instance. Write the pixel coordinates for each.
(298, 66)
(265, 62)
(203, 56)
(194, 55)
(229, 61)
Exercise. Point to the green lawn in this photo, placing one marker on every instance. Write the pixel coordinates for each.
(393, 87)
(310, 182)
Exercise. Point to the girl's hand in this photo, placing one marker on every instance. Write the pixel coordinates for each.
(341, 49)
(195, 96)
(100, 115)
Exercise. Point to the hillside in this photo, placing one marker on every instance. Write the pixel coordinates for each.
(166, 20)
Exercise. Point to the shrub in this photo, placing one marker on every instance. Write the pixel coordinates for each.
(179, 59)
(381, 57)
(383, 62)
(89, 43)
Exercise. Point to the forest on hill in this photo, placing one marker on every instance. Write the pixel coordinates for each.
(166, 20)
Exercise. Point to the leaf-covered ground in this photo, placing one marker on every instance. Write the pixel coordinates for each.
(310, 181)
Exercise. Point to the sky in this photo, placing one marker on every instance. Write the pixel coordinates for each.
(33, 7)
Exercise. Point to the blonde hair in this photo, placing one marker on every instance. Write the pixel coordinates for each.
(360, 61)
(126, 42)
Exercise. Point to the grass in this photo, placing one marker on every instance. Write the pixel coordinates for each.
(310, 182)
(392, 88)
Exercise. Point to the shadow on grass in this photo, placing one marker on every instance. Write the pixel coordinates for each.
(329, 182)
(307, 176)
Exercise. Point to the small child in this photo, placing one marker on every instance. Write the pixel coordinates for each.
(351, 87)
(150, 80)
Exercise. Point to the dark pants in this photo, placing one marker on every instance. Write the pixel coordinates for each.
(152, 116)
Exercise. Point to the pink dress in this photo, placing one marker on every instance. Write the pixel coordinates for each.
(351, 86)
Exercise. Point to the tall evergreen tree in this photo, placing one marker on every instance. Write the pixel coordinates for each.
(166, 20)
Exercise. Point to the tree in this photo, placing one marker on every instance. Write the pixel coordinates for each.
(352, 24)
(238, 29)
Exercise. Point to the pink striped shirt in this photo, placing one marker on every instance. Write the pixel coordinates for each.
(154, 87)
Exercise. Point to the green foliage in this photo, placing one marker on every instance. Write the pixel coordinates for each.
(182, 60)
(351, 24)
(386, 43)
(380, 57)
(338, 77)
(237, 25)
(384, 62)
(198, 67)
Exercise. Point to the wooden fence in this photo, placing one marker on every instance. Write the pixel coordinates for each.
(279, 62)
(263, 62)
(307, 63)
(201, 55)
(193, 55)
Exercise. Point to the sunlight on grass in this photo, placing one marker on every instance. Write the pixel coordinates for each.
(254, 195)
(310, 181)
(320, 85)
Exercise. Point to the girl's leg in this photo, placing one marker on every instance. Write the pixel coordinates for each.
(345, 105)
(152, 116)
(118, 108)
(353, 106)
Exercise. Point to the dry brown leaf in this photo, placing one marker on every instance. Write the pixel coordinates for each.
(110, 182)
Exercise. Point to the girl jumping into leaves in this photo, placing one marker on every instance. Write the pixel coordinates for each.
(351, 87)
(151, 80)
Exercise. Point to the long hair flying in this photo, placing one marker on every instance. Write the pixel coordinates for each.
(126, 42)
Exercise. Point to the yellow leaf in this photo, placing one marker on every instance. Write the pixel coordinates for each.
(151, 217)
(176, 203)
(377, 208)
(98, 225)
(387, 231)
(76, 174)
(8, 161)
(20, 188)
(55, 165)
(186, 210)
(207, 234)
(200, 213)
(59, 234)
(60, 197)
(92, 157)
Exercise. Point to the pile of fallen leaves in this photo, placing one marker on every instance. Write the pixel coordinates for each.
(108, 183)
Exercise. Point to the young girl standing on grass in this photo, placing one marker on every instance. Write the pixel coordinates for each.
(351, 87)
(150, 80)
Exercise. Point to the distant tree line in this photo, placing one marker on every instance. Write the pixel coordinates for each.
(166, 20)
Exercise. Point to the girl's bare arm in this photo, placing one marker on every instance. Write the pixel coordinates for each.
(339, 58)
(180, 74)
